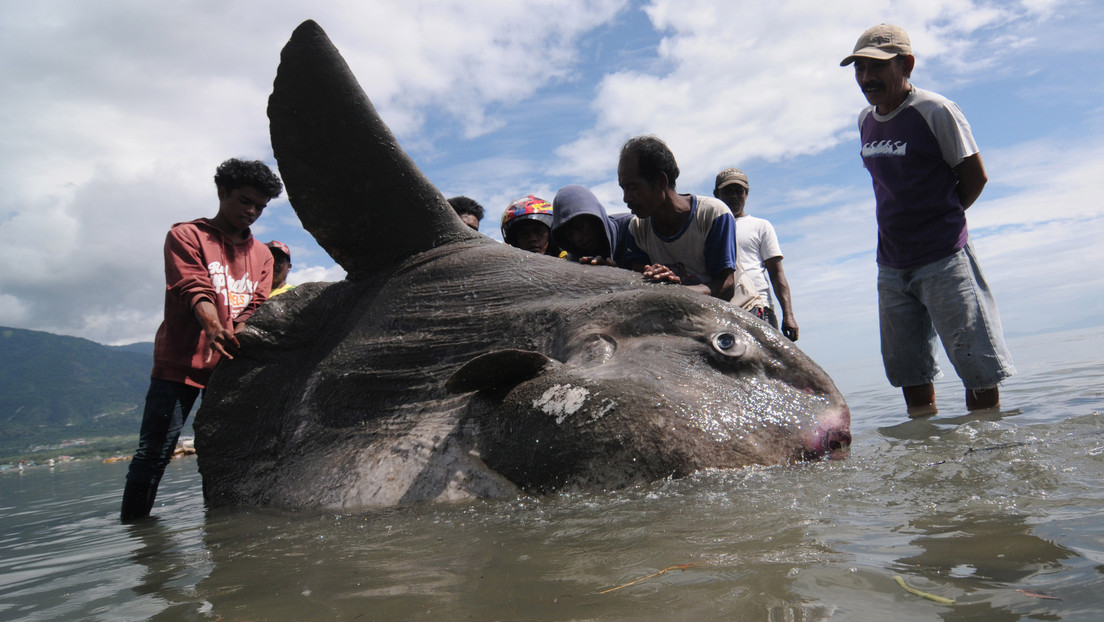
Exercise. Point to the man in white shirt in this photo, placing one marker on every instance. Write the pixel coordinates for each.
(757, 249)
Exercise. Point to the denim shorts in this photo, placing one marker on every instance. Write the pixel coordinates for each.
(949, 298)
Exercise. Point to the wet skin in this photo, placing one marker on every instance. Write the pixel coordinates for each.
(447, 366)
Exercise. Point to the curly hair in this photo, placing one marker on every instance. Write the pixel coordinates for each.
(652, 158)
(464, 205)
(235, 173)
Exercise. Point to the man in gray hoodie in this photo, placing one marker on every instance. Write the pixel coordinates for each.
(581, 226)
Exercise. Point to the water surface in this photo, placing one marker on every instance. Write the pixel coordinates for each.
(1001, 513)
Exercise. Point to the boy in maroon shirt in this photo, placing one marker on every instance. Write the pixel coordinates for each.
(216, 275)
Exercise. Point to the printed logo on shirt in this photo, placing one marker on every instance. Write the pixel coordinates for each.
(235, 293)
(881, 148)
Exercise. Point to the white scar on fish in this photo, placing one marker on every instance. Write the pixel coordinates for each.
(561, 400)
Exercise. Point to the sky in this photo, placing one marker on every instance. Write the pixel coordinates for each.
(115, 114)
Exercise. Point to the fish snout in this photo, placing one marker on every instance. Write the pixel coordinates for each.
(830, 436)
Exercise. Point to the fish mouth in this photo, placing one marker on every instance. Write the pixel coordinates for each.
(830, 438)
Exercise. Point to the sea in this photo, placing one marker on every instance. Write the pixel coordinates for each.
(996, 516)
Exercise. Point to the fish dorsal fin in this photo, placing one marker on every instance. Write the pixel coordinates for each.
(354, 188)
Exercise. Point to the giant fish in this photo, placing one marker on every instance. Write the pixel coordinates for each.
(448, 366)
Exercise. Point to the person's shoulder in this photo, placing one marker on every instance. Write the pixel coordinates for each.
(191, 230)
(753, 220)
(198, 223)
(622, 218)
(923, 99)
(920, 95)
(711, 206)
(753, 228)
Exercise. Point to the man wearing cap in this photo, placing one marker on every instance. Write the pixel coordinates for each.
(758, 251)
(926, 171)
(281, 265)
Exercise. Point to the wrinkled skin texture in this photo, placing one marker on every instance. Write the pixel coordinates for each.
(448, 366)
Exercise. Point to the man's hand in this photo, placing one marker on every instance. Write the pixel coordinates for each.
(789, 328)
(222, 341)
(598, 261)
(660, 272)
(220, 338)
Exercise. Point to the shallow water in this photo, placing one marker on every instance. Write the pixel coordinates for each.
(1001, 513)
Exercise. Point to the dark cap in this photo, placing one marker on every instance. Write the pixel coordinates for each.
(280, 246)
(731, 176)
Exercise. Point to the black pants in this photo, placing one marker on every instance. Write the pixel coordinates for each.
(167, 407)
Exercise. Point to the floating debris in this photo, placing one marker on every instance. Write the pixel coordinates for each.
(912, 590)
(654, 574)
(1042, 595)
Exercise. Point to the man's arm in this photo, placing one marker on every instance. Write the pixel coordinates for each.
(720, 255)
(723, 287)
(221, 338)
(971, 179)
(782, 292)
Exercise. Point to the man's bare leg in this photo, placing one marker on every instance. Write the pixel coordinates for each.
(920, 400)
(982, 399)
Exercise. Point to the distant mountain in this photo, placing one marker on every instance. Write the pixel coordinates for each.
(142, 347)
(55, 388)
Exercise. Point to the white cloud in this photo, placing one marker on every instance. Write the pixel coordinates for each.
(116, 114)
(314, 274)
(763, 82)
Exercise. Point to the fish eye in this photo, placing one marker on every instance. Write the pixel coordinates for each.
(728, 345)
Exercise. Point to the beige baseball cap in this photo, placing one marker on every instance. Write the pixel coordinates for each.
(881, 42)
(731, 176)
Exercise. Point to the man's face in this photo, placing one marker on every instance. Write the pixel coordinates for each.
(241, 207)
(530, 235)
(280, 269)
(470, 220)
(586, 234)
(734, 196)
(642, 198)
(883, 82)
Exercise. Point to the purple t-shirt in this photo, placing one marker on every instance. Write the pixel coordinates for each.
(911, 154)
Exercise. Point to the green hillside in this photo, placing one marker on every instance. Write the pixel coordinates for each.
(55, 388)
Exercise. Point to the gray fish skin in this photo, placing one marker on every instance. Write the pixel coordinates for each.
(451, 367)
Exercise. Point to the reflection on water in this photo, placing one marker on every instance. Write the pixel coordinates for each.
(995, 511)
